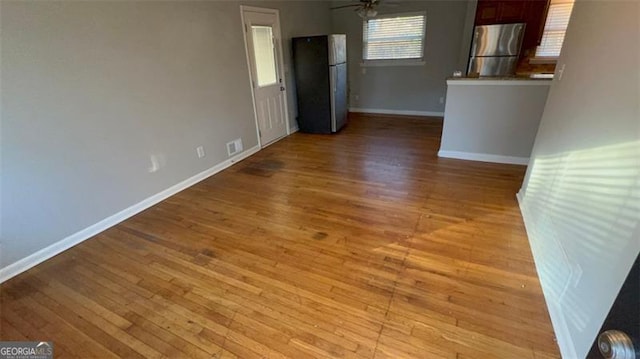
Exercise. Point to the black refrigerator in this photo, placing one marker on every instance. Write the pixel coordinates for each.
(320, 68)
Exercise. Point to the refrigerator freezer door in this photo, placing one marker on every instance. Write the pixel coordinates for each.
(313, 88)
(337, 49)
(339, 112)
(493, 66)
(497, 40)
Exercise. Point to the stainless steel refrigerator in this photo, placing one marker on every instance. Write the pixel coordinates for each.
(320, 68)
(495, 49)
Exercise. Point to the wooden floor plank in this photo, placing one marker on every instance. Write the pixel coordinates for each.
(358, 245)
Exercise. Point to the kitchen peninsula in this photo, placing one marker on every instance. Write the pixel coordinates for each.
(492, 119)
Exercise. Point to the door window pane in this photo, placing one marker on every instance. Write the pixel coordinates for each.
(264, 55)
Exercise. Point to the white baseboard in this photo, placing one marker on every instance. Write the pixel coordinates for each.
(484, 157)
(396, 112)
(293, 130)
(42, 255)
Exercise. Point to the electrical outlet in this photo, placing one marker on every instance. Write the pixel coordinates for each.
(441, 99)
(561, 72)
(200, 151)
(357, 97)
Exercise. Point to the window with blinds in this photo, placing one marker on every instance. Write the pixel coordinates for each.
(554, 28)
(394, 37)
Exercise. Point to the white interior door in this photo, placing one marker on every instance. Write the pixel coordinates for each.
(264, 53)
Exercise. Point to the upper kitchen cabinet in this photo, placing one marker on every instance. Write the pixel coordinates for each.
(531, 12)
(487, 12)
(500, 12)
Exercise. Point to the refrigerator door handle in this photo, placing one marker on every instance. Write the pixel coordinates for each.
(333, 79)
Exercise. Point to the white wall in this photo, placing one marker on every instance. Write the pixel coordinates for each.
(407, 88)
(581, 197)
(104, 103)
(492, 120)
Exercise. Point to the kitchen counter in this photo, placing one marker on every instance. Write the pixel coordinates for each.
(536, 79)
(492, 119)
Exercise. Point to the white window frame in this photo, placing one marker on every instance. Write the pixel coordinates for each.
(396, 62)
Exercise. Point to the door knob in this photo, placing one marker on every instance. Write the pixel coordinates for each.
(614, 344)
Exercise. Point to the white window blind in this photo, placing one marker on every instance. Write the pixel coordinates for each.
(554, 28)
(391, 37)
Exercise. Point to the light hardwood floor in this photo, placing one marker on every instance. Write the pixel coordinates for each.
(358, 245)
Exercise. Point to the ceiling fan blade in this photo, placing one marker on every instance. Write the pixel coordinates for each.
(390, 3)
(345, 6)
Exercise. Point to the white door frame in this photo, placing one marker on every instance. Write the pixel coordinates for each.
(275, 12)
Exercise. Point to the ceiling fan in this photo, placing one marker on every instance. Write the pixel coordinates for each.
(364, 8)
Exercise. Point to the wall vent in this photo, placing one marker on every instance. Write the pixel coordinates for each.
(234, 146)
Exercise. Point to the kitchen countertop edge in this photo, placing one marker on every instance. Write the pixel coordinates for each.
(511, 80)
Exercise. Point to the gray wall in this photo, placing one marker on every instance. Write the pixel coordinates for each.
(406, 88)
(467, 35)
(581, 196)
(497, 118)
(94, 92)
